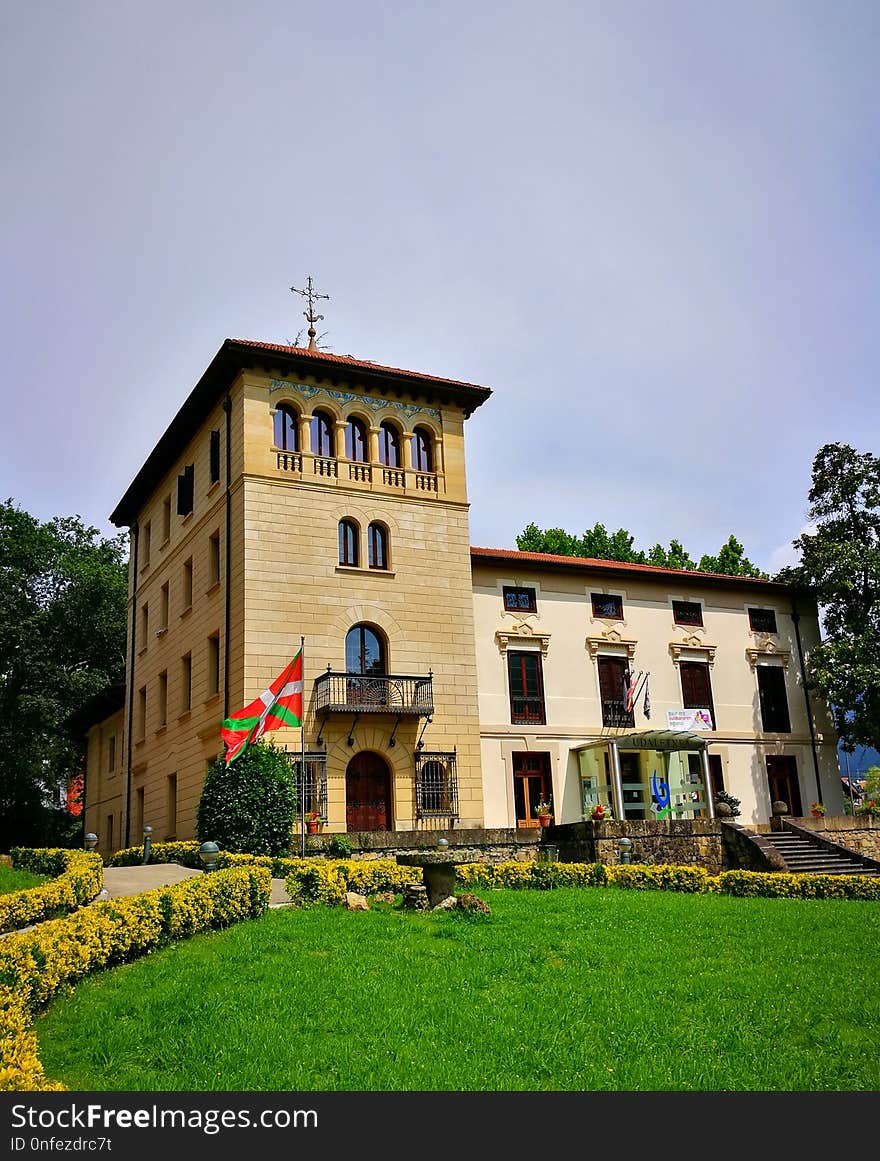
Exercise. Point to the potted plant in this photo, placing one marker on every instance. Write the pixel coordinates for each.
(817, 809)
(598, 812)
(870, 808)
(543, 811)
(313, 821)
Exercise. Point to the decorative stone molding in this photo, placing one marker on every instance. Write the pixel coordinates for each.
(764, 649)
(375, 403)
(685, 650)
(611, 637)
(521, 632)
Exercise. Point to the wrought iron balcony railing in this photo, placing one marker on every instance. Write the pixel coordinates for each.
(525, 711)
(614, 713)
(382, 693)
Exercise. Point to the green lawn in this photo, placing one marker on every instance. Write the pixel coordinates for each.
(567, 989)
(13, 880)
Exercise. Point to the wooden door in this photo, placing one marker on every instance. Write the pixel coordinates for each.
(368, 793)
(782, 778)
(531, 785)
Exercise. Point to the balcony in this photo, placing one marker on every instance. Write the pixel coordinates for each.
(615, 715)
(527, 711)
(383, 693)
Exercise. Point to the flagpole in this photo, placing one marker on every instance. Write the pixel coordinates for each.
(302, 758)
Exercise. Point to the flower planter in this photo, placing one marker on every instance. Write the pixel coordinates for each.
(543, 819)
(312, 826)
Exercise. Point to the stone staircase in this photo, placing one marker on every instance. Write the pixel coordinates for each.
(804, 855)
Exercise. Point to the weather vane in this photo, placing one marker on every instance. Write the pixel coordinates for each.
(311, 296)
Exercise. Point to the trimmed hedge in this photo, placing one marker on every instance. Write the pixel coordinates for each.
(36, 965)
(77, 879)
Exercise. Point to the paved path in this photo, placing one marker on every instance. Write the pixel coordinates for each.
(132, 880)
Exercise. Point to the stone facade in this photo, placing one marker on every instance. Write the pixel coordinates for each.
(694, 842)
(486, 846)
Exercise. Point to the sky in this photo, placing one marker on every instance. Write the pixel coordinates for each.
(651, 228)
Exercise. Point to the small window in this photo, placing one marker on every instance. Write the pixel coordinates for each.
(142, 713)
(171, 806)
(762, 620)
(145, 544)
(356, 440)
(214, 456)
(389, 445)
(520, 600)
(164, 603)
(214, 664)
(377, 541)
(163, 698)
(687, 613)
(186, 670)
(321, 434)
(214, 558)
(111, 754)
(145, 624)
(364, 651)
(348, 543)
(607, 606)
(422, 450)
(166, 519)
(773, 699)
(526, 688)
(185, 490)
(187, 584)
(286, 425)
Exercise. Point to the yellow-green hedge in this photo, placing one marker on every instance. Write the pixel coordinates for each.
(778, 885)
(36, 965)
(78, 877)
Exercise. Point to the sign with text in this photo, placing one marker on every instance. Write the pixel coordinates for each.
(688, 719)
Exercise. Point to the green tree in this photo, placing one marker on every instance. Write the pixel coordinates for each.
(840, 564)
(250, 804)
(62, 639)
(731, 560)
(598, 544)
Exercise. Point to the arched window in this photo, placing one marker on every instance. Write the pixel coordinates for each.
(286, 422)
(364, 651)
(423, 450)
(377, 546)
(356, 440)
(321, 433)
(348, 542)
(389, 446)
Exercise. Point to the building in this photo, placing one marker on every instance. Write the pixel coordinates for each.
(303, 495)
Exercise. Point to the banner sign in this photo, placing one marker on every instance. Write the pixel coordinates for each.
(689, 719)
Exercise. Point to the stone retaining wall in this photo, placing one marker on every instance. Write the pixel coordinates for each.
(488, 846)
(858, 834)
(686, 842)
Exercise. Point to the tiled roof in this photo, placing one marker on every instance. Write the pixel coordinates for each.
(350, 361)
(574, 562)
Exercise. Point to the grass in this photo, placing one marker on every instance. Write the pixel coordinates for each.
(590, 989)
(15, 880)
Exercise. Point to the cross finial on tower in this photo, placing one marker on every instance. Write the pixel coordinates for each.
(311, 296)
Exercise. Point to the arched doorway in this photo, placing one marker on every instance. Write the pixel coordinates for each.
(368, 793)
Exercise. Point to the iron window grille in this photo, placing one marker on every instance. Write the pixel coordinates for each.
(312, 784)
(436, 785)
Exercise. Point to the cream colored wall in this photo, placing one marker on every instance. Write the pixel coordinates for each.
(105, 787)
(422, 605)
(188, 740)
(562, 626)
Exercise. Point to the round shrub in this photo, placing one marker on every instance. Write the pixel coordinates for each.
(249, 806)
(339, 847)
